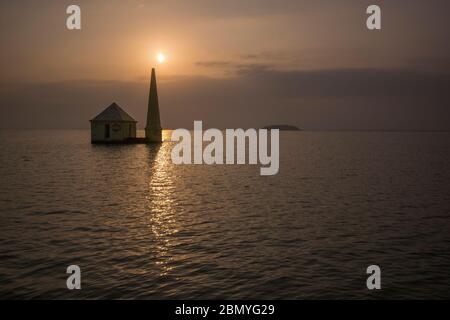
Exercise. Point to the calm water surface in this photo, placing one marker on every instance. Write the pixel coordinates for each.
(140, 227)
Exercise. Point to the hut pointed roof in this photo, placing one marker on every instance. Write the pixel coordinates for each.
(113, 113)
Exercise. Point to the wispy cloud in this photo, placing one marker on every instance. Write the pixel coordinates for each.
(214, 64)
(233, 68)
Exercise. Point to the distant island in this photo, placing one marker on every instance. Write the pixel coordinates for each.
(282, 127)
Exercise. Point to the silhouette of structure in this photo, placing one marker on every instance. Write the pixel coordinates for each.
(112, 125)
(153, 131)
(282, 127)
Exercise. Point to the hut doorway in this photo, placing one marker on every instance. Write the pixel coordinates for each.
(107, 133)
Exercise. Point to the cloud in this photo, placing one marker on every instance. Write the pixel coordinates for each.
(236, 68)
(214, 64)
(265, 55)
(252, 69)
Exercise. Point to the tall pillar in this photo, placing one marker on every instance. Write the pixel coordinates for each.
(153, 130)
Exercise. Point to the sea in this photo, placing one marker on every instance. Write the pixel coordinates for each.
(140, 227)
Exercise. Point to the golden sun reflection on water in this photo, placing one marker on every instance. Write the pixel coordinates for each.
(163, 221)
(166, 136)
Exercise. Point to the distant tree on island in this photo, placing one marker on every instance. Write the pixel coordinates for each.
(282, 127)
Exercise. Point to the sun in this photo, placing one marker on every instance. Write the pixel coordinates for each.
(160, 57)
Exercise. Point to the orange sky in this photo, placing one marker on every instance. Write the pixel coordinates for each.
(119, 39)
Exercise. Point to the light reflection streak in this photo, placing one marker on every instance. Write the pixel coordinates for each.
(163, 221)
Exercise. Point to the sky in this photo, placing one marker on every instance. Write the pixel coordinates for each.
(230, 63)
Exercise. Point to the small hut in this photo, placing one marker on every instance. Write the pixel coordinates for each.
(113, 125)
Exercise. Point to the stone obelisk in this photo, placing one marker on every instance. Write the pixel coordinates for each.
(153, 130)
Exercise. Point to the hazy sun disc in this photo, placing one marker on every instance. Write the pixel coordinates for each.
(161, 57)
